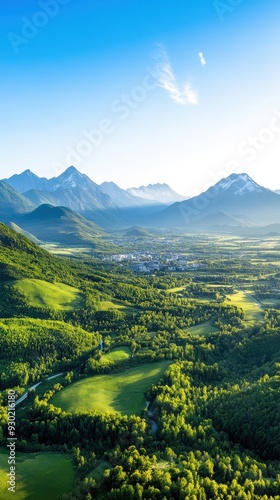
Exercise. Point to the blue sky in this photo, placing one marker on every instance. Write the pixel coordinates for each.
(138, 92)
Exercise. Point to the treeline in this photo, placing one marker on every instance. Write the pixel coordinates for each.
(50, 426)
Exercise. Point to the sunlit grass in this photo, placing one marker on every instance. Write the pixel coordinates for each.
(121, 392)
(53, 295)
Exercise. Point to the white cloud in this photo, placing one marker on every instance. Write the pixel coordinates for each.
(201, 57)
(184, 94)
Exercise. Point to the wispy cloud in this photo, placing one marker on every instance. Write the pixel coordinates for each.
(184, 94)
(202, 59)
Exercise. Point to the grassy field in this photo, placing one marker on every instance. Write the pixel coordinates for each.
(56, 296)
(121, 392)
(250, 306)
(118, 354)
(203, 329)
(108, 305)
(38, 475)
(74, 250)
(176, 289)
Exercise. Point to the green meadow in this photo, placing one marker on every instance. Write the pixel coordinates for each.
(54, 295)
(204, 329)
(121, 392)
(108, 305)
(250, 307)
(41, 476)
(176, 289)
(118, 354)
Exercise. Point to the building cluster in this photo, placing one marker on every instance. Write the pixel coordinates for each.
(150, 262)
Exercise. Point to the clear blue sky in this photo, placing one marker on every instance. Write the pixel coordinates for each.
(173, 90)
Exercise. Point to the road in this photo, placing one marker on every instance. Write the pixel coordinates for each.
(24, 396)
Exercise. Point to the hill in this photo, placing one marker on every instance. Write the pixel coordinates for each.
(41, 197)
(12, 202)
(25, 233)
(40, 293)
(21, 258)
(59, 224)
(138, 232)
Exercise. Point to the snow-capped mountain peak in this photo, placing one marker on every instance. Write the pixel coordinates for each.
(156, 192)
(70, 178)
(238, 185)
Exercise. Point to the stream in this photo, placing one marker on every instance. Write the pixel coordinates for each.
(153, 424)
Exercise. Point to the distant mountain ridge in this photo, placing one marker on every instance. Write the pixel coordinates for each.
(71, 189)
(236, 201)
(161, 193)
(78, 192)
(238, 196)
(121, 197)
(26, 180)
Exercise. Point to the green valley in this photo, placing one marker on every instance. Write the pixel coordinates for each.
(87, 341)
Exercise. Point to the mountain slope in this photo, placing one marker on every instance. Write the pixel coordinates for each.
(156, 193)
(107, 205)
(59, 224)
(237, 196)
(71, 178)
(138, 232)
(12, 202)
(40, 197)
(20, 258)
(221, 219)
(79, 191)
(26, 181)
(121, 197)
(71, 189)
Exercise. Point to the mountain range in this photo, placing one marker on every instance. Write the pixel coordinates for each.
(236, 201)
(78, 192)
(73, 208)
(71, 189)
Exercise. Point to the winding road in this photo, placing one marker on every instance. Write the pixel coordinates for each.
(24, 396)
